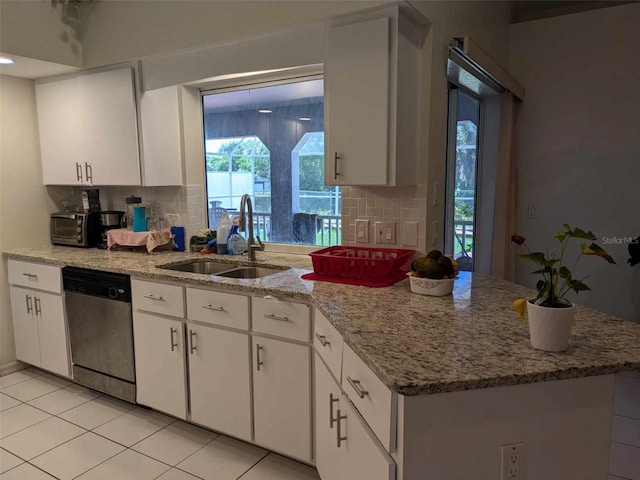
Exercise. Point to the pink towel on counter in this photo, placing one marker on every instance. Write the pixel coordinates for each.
(123, 238)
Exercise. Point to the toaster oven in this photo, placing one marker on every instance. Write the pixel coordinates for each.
(75, 229)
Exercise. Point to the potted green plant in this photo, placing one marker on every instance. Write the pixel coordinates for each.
(550, 314)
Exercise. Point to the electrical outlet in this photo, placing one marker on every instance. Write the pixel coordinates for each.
(362, 231)
(379, 232)
(512, 462)
(435, 227)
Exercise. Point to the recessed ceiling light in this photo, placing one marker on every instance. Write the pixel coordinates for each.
(305, 119)
(5, 61)
(264, 110)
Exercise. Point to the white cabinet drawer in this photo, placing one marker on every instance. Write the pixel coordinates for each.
(218, 308)
(284, 319)
(158, 298)
(328, 343)
(371, 397)
(35, 275)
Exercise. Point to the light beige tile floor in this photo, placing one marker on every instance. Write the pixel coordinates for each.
(51, 429)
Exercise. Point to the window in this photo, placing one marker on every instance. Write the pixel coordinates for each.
(268, 141)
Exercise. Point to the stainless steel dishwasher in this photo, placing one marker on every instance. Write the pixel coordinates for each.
(101, 330)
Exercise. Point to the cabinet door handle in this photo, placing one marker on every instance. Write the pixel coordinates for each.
(323, 340)
(276, 317)
(89, 170)
(332, 400)
(78, 172)
(339, 436)
(211, 307)
(36, 301)
(174, 345)
(29, 305)
(30, 275)
(192, 335)
(259, 361)
(356, 386)
(336, 157)
(153, 297)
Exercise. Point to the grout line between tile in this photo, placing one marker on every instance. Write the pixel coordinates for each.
(252, 466)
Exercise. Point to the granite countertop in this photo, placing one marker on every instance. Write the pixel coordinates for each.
(415, 344)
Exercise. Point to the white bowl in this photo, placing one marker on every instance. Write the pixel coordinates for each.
(429, 286)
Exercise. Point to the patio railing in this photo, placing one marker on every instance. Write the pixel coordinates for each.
(327, 228)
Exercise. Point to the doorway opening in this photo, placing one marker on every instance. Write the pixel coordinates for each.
(462, 180)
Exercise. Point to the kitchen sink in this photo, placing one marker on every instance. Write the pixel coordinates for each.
(207, 267)
(210, 267)
(250, 272)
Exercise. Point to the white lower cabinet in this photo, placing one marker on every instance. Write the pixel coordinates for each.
(282, 396)
(197, 365)
(346, 448)
(160, 363)
(219, 380)
(39, 329)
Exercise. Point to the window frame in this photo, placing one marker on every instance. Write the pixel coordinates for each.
(244, 81)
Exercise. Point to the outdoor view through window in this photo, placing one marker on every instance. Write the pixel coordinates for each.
(269, 142)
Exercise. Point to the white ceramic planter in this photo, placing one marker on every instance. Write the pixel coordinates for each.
(550, 328)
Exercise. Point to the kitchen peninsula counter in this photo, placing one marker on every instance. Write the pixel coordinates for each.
(415, 344)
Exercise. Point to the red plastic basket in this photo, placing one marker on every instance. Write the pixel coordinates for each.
(366, 263)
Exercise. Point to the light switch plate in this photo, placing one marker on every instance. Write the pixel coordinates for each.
(379, 232)
(389, 232)
(362, 231)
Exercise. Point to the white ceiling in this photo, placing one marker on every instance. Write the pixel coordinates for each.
(31, 68)
(264, 97)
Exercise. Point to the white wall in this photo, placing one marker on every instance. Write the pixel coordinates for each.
(24, 203)
(577, 148)
(119, 30)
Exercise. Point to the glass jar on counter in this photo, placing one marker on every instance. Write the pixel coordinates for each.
(131, 203)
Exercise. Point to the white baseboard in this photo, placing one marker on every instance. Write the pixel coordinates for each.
(12, 367)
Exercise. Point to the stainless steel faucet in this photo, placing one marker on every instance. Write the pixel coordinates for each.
(251, 242)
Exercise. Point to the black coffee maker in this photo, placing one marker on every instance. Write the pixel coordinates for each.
(109, 220)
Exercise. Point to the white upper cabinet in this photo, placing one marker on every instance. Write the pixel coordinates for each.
(162, 141)
(89, 129)
(372, 80)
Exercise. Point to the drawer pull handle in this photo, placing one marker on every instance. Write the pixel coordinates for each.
(332, 400)
(356, 386)
(29, 305)
(336, 157)
(36, 301)
(339, 436)
(211, 307)
(174, 345)
(192, 335)
(259, 361)
(153, 297)
(30, 275)
(323, 340)
(276, 317)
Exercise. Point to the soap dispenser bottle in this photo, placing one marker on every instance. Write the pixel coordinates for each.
(224, 228)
